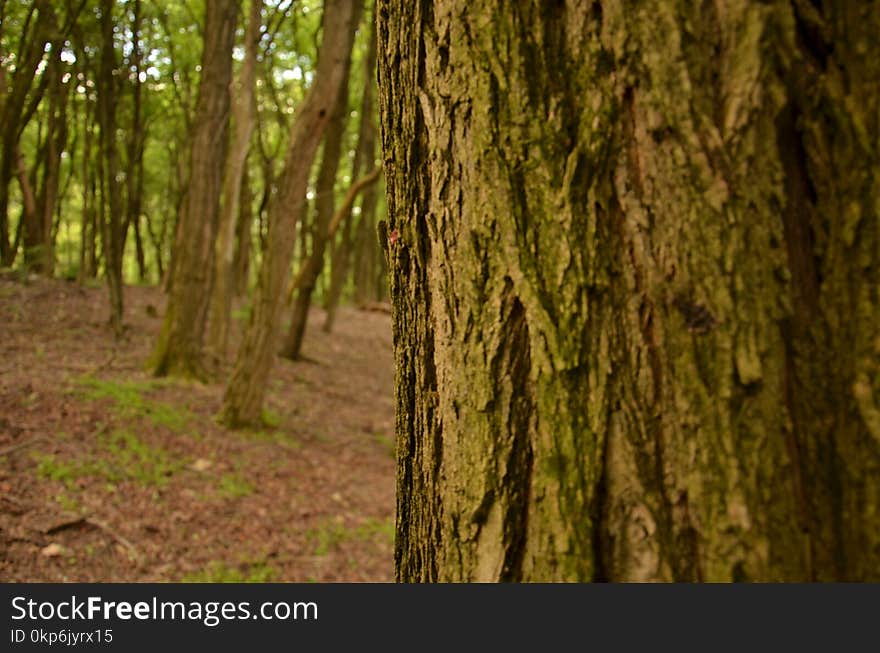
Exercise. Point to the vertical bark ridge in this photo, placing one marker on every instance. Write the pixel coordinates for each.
(685, 207)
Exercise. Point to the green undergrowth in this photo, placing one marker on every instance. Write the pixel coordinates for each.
(122, 457)
(331, 534)
(234, 486)
(242, 313)
(270, 418)
(387, 442)
(130, 400)
(216, 571)
(274, 436)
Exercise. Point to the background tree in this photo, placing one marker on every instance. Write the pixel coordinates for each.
(179, 347)
(364, 159)
(61, 215)
(325, 200)
(368, 266)
(635, 262)
(112, 225)
(21, 95)
(244, 112)
(242, 403)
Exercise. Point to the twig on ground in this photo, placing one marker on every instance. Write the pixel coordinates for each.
(21, 445)
(133, 553)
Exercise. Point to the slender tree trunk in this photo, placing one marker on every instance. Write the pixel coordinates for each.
(367, 266)
(366, 254)
(325, 199)
(112, 237)
(18, 106)
(56, 141)
(135, 174)
(178, 350)
(635, 265)
(365, 156)
(242, 403)
(340, 260)
(340, 267)
(87, 235)
(29, 224)
(244, 110)
(242, 262)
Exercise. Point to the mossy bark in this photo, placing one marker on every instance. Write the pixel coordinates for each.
(635, 266)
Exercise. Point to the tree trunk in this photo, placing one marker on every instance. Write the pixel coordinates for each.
(244, 110)
(340, 259)
(87, 265)
(134, 178)
(364, 159)
(178, 350)
(55, 144)
(112, 224)
(635, 265)
(242, 403)
(325, 199)
(29, 224)
(18, 106)
(242, 262)
(306, 272)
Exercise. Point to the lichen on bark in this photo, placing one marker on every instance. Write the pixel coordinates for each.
(635, 289)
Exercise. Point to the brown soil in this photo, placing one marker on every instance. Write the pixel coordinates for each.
(107, 474)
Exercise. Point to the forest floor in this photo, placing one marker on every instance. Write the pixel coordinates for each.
(108, 474)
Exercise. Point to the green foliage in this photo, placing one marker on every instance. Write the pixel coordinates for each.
(281, 438)
(217, 571)
(242, 313)
(387, 442)
(68, 502)
(52, 468)
(331, 534)
(130, 401)
(133, 459)
(234, 486)
(270, 418)
(169, 56)
(122, 457)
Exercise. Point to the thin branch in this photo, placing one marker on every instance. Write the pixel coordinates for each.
(341, 213)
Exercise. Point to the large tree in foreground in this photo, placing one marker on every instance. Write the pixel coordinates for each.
(635, 266)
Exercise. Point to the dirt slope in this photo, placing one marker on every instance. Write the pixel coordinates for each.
(109, 475)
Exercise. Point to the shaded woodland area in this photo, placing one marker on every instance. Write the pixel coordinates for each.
(621, 259)
(187, 190)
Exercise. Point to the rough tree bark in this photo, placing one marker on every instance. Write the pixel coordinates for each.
(244, 111)
(635, 266)
(179, 350)
(243, 400)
